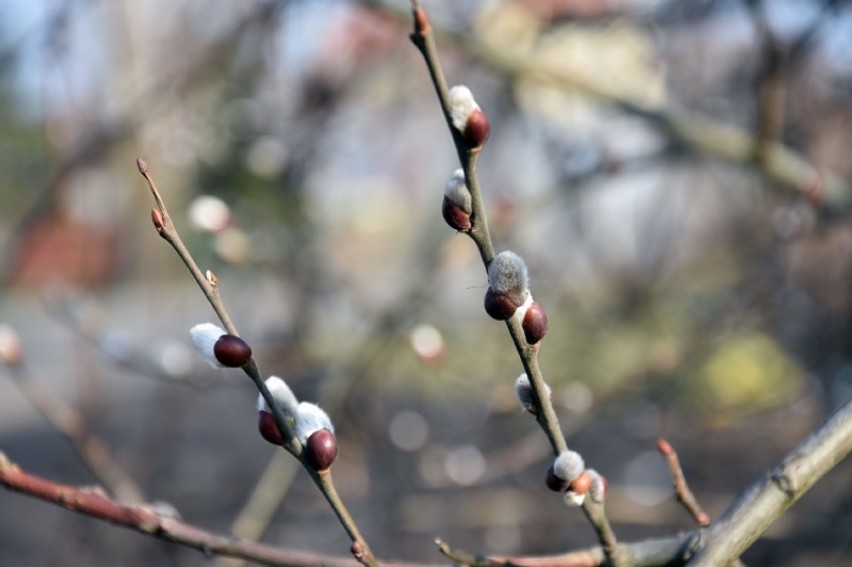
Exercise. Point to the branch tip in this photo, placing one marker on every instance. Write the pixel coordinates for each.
(143, 166)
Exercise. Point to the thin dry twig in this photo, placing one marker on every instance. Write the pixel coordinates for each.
(209, 285)
(424, 40)
(91, 450)
(682, 491)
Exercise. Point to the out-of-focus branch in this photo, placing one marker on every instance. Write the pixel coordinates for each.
(771, 88)
(781, 165)
(88, 446)
(147, 521)
(758, 507)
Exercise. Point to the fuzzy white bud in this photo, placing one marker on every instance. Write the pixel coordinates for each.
(283, 396)
(203, 337)
(568, 465)
(458, 193)
(573, 499)
(309, 419)
(523, 389)
(462, 105)
(507, 274)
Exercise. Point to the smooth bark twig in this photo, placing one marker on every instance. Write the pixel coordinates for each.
(682, 491)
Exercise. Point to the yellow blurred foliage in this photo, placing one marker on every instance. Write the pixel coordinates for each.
(747, 374)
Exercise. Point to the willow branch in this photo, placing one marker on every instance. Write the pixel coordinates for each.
(209, 285)
(757, 508)
(782, 164)
(424, 40)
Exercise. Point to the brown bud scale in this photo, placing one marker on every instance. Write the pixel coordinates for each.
(455, 216)
(157, 219)
(321, 449)
(268, 429)
(232, 351)
(476, 129)
(421, 21)
(535, 323)
(499, 306)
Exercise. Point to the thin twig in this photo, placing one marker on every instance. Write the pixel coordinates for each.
(209, 285)
(92, 451)
(424, 40)
(682, 491)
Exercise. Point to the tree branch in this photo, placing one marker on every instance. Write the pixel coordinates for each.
(143, 519)
(757, 508)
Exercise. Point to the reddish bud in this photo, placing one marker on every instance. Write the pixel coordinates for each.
(581, 484)
(476, 129)
(321, 449)
(421, 21)
(664, 447)
(269, 430)
(455, 216)
(157, 219)
(535, 323)
(357, 549)
(498, 305)
(553, 482)
(232, 351)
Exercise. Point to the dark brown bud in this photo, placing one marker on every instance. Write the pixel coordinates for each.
(498, 305)
(321, 449)
(535, 323)
(455, 216)
(581, 484)
(477, 129)
(553, 482)
(269, 430)
(232, 351)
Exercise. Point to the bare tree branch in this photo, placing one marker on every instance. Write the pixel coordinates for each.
(757, 508)
(145, 520)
